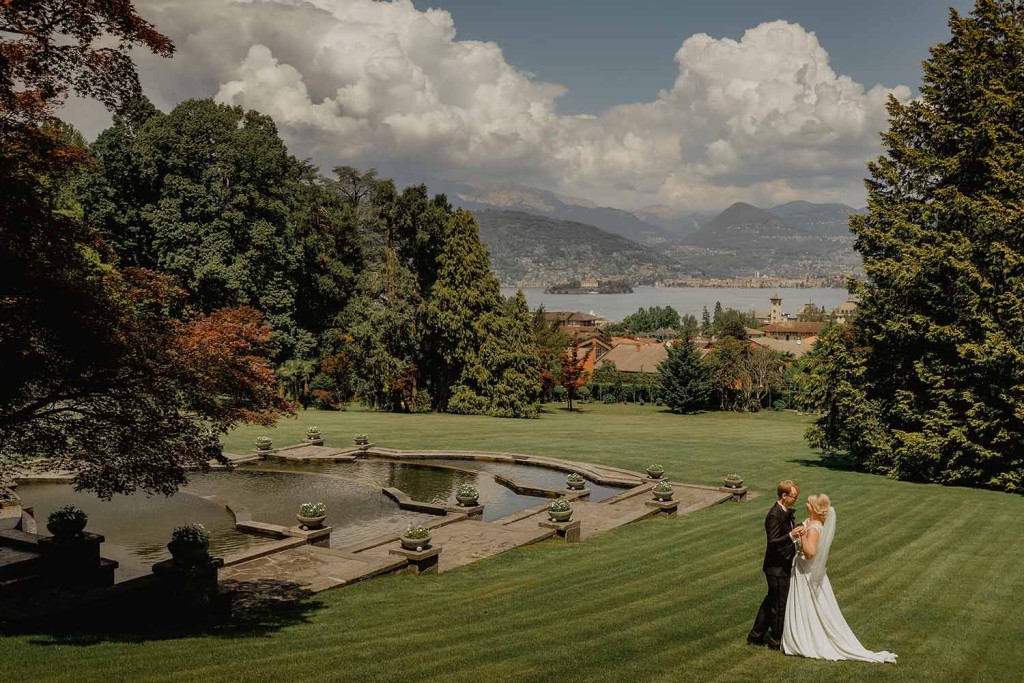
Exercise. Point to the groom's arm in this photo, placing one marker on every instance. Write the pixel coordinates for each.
(778, 534)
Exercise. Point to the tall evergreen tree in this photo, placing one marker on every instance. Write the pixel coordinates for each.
(465, 290)
(685, 379)
(705, 322)
(943, 308)
(507, 366)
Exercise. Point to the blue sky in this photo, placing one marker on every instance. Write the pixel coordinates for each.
(609, 53)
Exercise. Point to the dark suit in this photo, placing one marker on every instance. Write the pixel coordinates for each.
(777, 567)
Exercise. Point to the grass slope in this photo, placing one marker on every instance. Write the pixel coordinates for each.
(928, 572)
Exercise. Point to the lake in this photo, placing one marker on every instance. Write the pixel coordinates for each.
(684, 299)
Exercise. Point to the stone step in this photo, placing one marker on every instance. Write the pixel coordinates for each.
(16, 563)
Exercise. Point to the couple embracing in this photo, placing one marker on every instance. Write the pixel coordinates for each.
(800, 614)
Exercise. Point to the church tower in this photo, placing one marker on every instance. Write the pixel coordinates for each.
(776, 314)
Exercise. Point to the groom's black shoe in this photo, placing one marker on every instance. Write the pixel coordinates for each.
(751, 641)
(775, 646)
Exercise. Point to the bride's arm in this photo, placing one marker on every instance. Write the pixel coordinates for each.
(810, 543)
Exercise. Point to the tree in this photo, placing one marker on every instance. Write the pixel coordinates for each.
(219, 207)
(731, 323)
(685, 379)
(765, 367)
(465, 290)
(507, 366)
(98, 377)
(942, 313)
(573, 373)
(729, 373)
(812, 314)
(705, 322)
(688, 326)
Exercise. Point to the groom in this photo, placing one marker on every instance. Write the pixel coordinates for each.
(782, 534)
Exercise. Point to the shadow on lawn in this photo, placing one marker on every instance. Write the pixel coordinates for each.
(833, 462)
(256, 608)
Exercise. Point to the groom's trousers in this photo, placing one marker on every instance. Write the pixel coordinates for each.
(772, 613)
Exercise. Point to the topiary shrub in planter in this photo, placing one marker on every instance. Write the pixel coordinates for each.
(734, 481)
(190, 544)
(662, 491)
(313, 433)
(560, 510)
(467, 495)
(361, 439)
(264, 443)
(575, 481)
(66, 522)
(311, 515)
(416, 537)
(655, 471)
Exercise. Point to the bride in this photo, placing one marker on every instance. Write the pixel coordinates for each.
(814, 626)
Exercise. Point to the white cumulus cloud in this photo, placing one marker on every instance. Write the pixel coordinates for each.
(762, 119)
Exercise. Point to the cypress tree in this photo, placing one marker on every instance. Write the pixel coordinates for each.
(685, 379)
(943, 248)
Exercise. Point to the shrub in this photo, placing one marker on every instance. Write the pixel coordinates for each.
(313, 509)
(264, 443)
(422, 402)
(582, 394)
(361, 439)
(559, 393)
(609, 398)
(465, 401)
(560, 505)
(417, 531)
(663, 487)
(575, 476)
(192, 534)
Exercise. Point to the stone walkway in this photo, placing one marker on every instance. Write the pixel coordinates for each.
(462, 540)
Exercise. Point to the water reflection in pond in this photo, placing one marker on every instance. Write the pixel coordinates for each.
(138, 527)
(529, 474)
(422, 482)
(357, 512)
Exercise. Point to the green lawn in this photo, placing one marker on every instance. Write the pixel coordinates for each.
(931, 573)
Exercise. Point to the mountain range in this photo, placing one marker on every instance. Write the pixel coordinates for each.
(541, 237)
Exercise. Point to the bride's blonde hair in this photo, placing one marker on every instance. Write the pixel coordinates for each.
(820, 503)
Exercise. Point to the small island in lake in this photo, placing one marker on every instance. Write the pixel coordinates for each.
(591, 286)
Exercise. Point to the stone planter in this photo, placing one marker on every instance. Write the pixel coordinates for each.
(311, 522)
(313, 436)
(560, 516)
(661, 495)
(655, 474)
(264, 443)
(467, 501)
(415, 543)
(576, 484)
(66, 528)
(189, 553)
(733, 482)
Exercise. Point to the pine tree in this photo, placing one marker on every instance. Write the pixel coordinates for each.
(685, 379)
(705, 322)
(507, 367)
(943, 308)
(464, 292)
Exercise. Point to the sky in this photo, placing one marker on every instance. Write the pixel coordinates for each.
(689, 104)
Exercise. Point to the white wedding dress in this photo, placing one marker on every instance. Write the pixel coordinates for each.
(814, 625)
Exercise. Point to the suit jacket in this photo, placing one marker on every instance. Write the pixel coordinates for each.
(779, 552)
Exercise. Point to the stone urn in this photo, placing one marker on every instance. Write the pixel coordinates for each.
(560, 515)
(66, 522)
(655, 472)
(313, 433)
(576, 483)
(415, 543)
(468, 500)
(733, 481)
(662, 491)
(189, 552)
(264, 443)
(311, 522)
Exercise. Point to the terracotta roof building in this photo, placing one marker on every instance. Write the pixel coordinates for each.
(635, 357)
(796, 347)
(792, 331)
